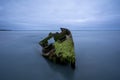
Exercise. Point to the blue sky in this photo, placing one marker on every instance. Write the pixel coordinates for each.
(52, 14)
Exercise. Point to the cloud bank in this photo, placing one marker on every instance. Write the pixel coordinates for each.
(48, 14)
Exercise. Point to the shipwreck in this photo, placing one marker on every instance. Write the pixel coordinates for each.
(61, 50)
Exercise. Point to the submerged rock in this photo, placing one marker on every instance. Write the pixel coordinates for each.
(62, 50)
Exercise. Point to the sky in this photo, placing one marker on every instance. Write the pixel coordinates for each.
(53, 14)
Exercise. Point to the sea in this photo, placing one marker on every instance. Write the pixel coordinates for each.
(97, 56)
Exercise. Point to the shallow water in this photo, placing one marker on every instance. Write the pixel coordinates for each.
(97, 57)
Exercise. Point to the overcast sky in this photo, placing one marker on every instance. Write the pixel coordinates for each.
(52, 14)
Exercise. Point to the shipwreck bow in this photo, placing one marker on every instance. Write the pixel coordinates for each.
(61, 50)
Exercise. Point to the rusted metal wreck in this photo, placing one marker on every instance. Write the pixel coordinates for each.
(61, 50)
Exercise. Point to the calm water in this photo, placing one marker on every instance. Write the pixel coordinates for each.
(97, 57)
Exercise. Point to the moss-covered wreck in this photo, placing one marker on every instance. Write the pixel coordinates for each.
(62, 50)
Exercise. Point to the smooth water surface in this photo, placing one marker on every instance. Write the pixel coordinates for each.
(97, 57)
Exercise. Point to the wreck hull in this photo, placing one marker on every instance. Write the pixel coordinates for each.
(62, 50)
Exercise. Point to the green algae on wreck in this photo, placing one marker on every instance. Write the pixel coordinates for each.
(62, 50)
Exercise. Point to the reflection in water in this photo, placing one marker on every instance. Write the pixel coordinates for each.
(65, 70)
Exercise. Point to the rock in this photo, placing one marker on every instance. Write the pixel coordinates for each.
(62, 50)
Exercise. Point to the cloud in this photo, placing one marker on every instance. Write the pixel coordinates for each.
(46, 12)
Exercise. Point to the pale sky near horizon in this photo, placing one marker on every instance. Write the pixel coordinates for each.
(52, 14)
